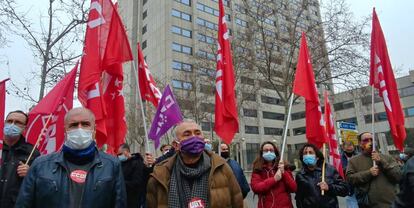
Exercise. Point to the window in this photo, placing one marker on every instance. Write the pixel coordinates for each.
(181, 31)
(206, 55)
(205, 126)
(181, 66)
(144, 29)
(248, 81)
(207, 9)
(273, 131)
(185, 2)
(271, 100)
(298, 115)
(378, 117)
(251, 129)
(273, 116)
(207, 89)
(410, 112)
(252, 150)
(367, 100)
(144, 44)
(241, 22)
(249, 96)
(182, 48)
(343, 105)
(206, 39)
(144, 14)
(144, 2)
(249, 112)
(207, 24)
(181, 15)
(299, 131)
(407, 91)
(178, 84)
(225, 2)
(207, 72)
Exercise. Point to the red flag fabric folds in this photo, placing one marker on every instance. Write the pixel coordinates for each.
(304, 85)
(335, 157)
(382, 78)
(147, 86)
(226, 118)
(106, 48)
(2, 109)
(56, 104)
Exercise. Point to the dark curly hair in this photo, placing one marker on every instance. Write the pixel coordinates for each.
(318, 153)
(259, 161)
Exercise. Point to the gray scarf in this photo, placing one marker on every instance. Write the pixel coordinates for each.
(187, 183)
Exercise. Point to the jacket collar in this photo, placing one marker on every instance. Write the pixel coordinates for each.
(162, 171)
(17, 146)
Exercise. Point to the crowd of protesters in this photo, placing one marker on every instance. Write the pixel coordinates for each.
(190, 174)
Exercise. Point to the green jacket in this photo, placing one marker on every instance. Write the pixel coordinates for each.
(382, 188)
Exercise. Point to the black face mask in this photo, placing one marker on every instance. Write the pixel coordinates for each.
(349, 154)
(225, 155)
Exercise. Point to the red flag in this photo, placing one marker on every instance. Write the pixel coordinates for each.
(304, 85)
(2, 109)
(106, 46)
(56, 104)
(335, 157)
(226, 119)
(382, 78)
(147, 86)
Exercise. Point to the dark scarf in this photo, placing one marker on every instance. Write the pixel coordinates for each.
(79, 157)
(187, 182)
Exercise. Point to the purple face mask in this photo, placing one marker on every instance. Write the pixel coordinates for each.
(192, 146)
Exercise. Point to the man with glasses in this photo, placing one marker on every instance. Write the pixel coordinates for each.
(377, 179)
(14, 155)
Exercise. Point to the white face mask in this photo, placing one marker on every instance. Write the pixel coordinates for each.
(78, 139)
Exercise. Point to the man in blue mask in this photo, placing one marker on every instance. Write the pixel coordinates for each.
(14, 156)
(193, 177)
(77, 176)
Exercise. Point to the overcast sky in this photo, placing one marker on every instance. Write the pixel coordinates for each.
(396, 17)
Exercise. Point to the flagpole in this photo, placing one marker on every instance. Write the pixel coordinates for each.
(147, 148)
(286, 127)
(323, 166)
(373, 121)
(38, 139)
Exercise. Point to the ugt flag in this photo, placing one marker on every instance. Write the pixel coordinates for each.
(55, 104)
(304, 85)
(168, 114)
(226, 119)
(382, 78)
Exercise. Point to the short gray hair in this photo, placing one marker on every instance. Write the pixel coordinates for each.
(79, 110)
(185, 120)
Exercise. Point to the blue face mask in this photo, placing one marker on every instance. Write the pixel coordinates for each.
(403, 156)
(11, 130)
(309, 160)
(208, 147)
(122, 158)
(269, 156)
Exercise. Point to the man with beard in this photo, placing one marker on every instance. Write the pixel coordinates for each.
(377, 180)
(235, 167)
(193, 177)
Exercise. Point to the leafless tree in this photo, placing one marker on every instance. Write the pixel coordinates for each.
(54, 40)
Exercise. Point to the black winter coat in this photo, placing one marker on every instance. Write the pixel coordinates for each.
(308, 194)
(9, 180)
(405, 199)
(47, 183)
(136, 177)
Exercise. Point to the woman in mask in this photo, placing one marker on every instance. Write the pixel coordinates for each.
(310, 185)
(271, 179)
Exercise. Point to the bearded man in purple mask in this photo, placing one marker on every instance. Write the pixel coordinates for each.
(193, 177)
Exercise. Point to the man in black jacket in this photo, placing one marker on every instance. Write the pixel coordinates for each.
(14, 156)
(405, 199)
(77, 176)
(135, 176)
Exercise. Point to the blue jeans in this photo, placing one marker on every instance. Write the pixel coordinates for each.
(351, 201)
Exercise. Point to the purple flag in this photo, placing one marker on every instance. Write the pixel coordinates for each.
(168, 114)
